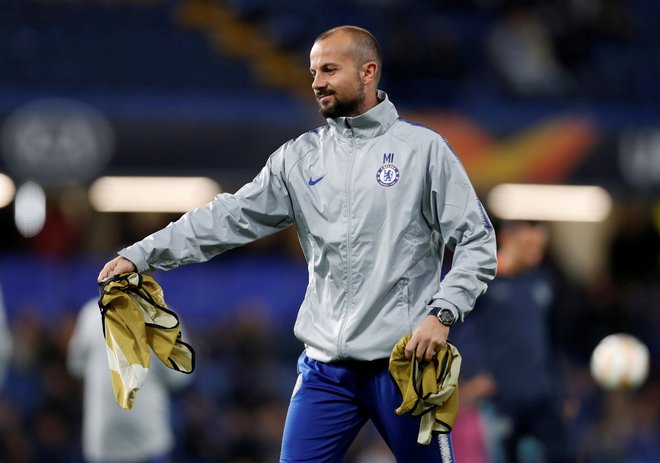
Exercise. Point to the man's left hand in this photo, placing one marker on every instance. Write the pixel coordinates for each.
(427, 339)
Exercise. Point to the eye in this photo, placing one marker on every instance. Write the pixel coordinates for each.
(329, 68)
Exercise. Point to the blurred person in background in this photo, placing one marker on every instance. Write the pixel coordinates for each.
(511, 381)
(375, 199)
(111, 434)
(6, 346)
(521, 51)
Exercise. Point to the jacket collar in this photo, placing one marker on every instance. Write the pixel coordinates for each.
(371, 124)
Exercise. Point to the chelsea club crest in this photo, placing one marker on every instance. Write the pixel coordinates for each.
(387, 175)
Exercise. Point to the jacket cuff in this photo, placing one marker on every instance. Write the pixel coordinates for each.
(441, 303)
(135, 256)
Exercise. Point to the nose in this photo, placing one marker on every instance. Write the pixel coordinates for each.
(318, 82)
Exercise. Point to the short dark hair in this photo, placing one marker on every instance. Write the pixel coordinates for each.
(365, 46)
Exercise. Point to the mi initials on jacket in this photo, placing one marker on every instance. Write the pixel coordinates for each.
(375, 199)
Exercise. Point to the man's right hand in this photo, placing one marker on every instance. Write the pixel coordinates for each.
(116, 266)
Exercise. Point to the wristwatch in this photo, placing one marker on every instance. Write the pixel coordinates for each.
(445, 315)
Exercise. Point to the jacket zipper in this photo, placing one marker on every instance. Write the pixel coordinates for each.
(349, 261)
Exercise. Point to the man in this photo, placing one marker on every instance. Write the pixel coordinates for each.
(521, 380)
(111, 434)
(375, 200)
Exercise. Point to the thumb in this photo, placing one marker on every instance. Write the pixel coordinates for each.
(106, 271)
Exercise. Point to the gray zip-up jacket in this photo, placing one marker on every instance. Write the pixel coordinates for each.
(375, 199)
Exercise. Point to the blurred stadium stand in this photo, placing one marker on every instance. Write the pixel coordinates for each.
(432, 48)
(207, 74)
(108, 46)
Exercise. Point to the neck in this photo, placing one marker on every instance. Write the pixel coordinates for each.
(370, 101)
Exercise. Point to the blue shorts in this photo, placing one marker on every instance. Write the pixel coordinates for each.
(332, 401)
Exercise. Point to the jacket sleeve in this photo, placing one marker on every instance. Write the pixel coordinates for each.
(454, 210)
(260, 208)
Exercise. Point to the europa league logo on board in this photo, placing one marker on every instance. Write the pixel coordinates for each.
(56, 142)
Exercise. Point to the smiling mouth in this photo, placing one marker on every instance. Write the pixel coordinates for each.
(323, 97)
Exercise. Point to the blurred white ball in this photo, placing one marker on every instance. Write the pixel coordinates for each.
(620, 361)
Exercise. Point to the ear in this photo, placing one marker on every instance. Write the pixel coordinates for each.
(368, 72)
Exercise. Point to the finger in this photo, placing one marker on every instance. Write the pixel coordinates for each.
(429, 354)
(102, 275)
(420, 352)
(410, 349)
(106, 271)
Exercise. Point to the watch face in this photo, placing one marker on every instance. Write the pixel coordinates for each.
(447, 317)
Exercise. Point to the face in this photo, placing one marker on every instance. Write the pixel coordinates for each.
(529, 241)
(337, 85)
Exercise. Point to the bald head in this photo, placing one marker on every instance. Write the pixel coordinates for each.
(364, 46)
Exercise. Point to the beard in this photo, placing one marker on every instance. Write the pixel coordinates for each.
(342, 108)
